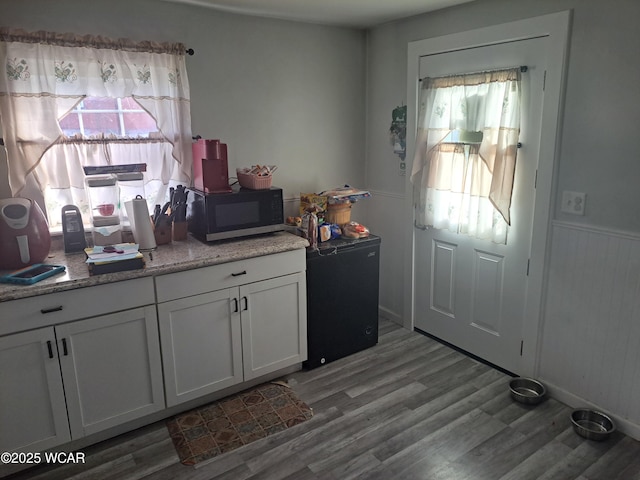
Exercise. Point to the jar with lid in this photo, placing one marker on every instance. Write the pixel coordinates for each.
(103, 196)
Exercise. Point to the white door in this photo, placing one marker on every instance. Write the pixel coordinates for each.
(201, 344)
(469, 292)
(111, 369)
(33, 413)
(274, 324)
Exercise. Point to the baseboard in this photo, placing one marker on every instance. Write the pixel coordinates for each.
(389, 315)
(625, 426)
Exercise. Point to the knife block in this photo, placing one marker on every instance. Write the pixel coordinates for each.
(162, 233)
(179, 231)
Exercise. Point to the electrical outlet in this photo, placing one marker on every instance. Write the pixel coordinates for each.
(573, 202)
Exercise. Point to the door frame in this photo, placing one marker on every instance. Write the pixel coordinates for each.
(556, 26)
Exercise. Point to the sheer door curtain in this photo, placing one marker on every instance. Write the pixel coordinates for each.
(465, 155)
(46, 75)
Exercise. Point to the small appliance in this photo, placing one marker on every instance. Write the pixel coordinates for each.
(343, 279)
(210, 166)
(72, 229)
(24, 233)
(242, 212)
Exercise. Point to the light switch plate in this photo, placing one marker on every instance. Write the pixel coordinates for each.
(573, 202)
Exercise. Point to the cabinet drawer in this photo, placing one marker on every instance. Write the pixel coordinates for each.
(207, 279)
(54, 308)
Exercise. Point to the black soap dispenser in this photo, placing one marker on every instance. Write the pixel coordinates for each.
(72, 229)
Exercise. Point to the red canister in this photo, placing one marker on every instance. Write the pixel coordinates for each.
(210, 166)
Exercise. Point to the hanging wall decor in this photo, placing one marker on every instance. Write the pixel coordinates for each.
(398, 133)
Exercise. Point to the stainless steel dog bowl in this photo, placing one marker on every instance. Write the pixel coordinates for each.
(591, 424)
(527, 390)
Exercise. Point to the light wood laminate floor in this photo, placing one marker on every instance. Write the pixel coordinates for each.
(408, 408)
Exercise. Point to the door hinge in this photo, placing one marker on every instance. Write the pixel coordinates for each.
(528, 265)
(544, 81)
(521, 346)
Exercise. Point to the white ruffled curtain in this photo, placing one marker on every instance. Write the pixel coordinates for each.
(466, 187)
(62, 166)
(45, 75)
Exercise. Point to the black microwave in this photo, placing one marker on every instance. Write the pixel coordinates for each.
(242, 212)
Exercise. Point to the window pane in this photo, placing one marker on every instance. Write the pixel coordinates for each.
(101, 115)
(95, 123)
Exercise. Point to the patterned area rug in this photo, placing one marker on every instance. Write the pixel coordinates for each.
(235, 421)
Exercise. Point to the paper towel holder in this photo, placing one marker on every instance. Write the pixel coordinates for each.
(142, 230)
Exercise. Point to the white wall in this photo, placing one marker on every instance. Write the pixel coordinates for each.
(597, 156)
(276, 92)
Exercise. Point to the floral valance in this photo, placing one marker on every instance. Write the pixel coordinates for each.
(45, 75)
(51, 63)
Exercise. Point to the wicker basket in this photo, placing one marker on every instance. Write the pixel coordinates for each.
(339, 213)
(253, 182)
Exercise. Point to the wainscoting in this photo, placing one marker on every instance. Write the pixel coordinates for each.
(590, 348)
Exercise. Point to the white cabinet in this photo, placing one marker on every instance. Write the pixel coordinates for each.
(201, 345)
(69, 380)
(80, 361)
(111, 369)
(33, 413)
(274, 325)
(235, 331)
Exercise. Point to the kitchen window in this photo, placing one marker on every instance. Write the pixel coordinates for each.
(120, 117)
(69, 101)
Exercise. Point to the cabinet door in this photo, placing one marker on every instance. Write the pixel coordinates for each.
(33, 414)
(274, 324)
(111, 368)
(201, 344)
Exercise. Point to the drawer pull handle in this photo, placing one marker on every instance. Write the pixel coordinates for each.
(64, 347)
(244, 272)
(246, 303)
(51, 310)
(235, 302)
(50, 348)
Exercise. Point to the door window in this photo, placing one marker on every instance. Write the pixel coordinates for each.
(466, 151)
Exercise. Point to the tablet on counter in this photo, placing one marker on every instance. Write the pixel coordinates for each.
(32, 274)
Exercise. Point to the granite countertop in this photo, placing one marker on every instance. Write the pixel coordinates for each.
(173, 257)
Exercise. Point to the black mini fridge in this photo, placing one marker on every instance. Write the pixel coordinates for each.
(342, 298)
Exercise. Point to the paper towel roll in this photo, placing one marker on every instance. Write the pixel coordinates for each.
(138, 213)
